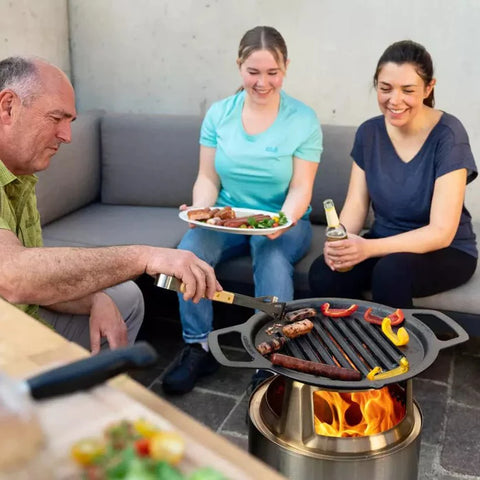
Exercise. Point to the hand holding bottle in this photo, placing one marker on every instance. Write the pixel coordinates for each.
(343, 255)
(335, 232)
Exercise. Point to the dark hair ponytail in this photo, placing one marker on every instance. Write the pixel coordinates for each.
(407, 51)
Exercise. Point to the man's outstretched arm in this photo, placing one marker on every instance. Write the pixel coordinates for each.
(47, 276)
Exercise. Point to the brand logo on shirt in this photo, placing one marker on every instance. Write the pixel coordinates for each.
(271, 149)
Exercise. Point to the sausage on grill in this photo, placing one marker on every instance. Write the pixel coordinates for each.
(271, 346)
(296, 315)
(315, 368)
(296, 329)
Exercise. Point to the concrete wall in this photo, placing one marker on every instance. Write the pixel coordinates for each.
(178, 56)
(35, 27)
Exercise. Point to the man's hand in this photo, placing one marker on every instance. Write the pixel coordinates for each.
(106, 321)
(197, 275)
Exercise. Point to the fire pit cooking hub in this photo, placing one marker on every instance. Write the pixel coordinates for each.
(313, 427)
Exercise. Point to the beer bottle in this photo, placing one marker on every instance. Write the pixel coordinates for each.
(335, 230)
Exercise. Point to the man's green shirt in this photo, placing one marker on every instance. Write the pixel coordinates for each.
(19, 213)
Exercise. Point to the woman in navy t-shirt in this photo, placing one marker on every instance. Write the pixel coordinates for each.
(412, 164)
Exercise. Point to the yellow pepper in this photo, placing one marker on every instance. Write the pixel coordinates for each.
(87, 450)
(145, 428)
(167, 446)
(400, 338)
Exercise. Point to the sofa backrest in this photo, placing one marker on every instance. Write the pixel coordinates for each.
(149, 159)
(137, 159)
(153, 160)
(333, 172)
(472, 197)
(73, 178)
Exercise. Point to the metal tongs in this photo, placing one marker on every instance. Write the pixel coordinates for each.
(269, 304)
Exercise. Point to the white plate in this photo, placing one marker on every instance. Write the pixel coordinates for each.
(239, 212)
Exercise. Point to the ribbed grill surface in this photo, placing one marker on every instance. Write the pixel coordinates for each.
(346, 342)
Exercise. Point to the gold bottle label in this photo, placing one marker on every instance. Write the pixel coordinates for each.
(331, 214)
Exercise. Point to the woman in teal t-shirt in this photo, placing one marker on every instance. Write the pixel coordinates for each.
(259, 149)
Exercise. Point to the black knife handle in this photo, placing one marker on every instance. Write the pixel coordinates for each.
(91, 371)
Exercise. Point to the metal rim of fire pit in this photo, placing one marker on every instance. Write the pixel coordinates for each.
(361, 344)
(295, 430)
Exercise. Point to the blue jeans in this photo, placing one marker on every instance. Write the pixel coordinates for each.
(273, 266)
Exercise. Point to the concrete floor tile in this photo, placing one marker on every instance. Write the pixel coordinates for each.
(208, 408)
(460, 449)
(237, 420)
(466, 381)
(167, 345)
(239, 441)
(440, 369)
(428, 458)
(229, 381)
(432, 399)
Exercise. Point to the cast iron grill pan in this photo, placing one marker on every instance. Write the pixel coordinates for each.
(348, 342)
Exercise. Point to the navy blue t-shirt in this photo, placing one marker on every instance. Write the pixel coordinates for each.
(401, 193)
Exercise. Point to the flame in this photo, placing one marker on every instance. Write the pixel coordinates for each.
(355, 414)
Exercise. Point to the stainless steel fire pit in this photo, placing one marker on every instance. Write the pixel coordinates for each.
(284, 437)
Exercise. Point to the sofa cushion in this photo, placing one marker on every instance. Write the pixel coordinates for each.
(149, 159)
(461, 299)
(103, 225)
(73, 178)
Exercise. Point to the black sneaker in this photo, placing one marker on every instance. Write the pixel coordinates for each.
(192, 363)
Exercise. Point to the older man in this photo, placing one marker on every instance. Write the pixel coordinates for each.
(82, 292)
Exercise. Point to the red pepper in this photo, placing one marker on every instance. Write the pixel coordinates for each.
(338, 312)
(396, 318)
(142, 447)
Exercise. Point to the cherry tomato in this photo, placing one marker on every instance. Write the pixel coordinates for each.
(142, 447)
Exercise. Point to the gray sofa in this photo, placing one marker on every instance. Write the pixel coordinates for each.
(123, 177)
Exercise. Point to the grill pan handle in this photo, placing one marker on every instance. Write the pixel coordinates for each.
(217, 352)
(462, 335)
(89, 372)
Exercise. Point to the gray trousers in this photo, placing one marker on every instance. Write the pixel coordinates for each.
(127, 297)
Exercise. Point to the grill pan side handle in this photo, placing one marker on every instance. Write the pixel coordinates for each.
(217, 352)
(462, 335)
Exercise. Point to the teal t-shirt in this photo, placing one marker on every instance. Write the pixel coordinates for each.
(255, 170)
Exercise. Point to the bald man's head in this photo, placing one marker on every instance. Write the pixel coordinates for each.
(37, 105)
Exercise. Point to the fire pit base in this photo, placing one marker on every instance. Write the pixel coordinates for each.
(397, 460)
